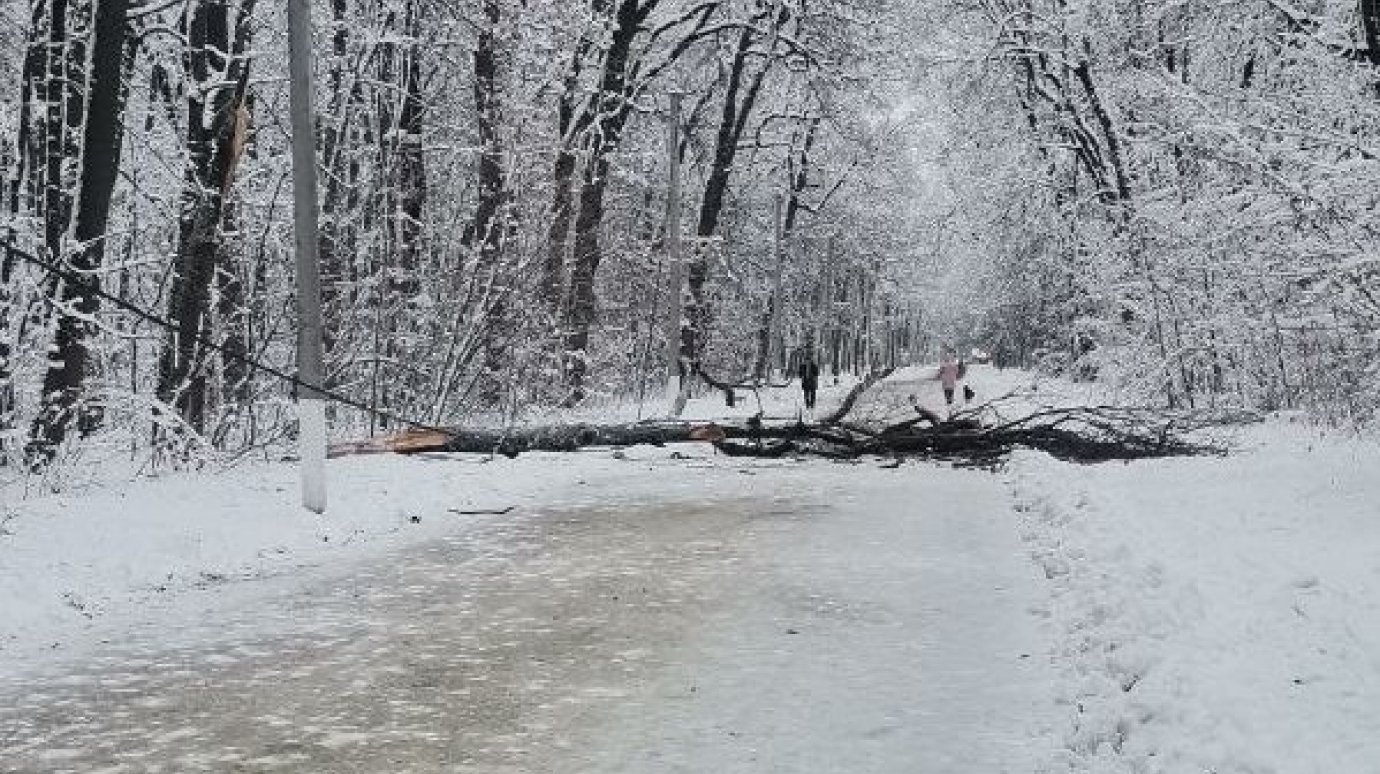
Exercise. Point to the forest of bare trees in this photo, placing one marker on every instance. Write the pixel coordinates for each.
(1176, 198)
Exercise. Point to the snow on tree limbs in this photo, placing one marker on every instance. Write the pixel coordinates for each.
(1079, 434)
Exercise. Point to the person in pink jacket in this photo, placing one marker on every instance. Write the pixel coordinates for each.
(949, 374)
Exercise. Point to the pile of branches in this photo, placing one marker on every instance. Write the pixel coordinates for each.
(1081, 434)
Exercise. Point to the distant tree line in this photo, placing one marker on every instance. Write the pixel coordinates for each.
(493, 183)
(1176, 197)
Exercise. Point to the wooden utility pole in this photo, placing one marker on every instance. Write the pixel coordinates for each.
(675, 366)
(311, 403)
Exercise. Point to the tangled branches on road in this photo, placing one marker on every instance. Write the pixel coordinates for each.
(1080, 434)
(980, 436)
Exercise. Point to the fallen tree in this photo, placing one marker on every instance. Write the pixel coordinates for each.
(1082, 434)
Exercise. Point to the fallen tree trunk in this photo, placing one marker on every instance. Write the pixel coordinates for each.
(1084, 434)
(561, 438)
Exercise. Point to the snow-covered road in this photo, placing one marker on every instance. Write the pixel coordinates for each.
(810, 619)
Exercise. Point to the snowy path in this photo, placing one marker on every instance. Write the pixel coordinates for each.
(822, 619)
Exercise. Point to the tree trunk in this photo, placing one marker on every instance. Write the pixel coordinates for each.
(799, 178)
(401, 165)
(77, 301)
(1370, 28)
(484, 230)
(487, 230)
(17, 195)
(558, 234)
(234, 314)
(1073, 434)
(410, 164)
(726, 141)
(6, 370)
(400, 151)
(232, 304)
(571, 121)
(338, 228)
(1115, 156)
(732, 123)
(63, 114)
(580, 304)
(216, 120)
(606, 116)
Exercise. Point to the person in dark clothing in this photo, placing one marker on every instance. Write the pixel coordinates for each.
(809, 380)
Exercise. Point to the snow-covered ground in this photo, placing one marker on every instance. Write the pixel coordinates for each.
(1215, 615)
(114, 541)
(1193, 615)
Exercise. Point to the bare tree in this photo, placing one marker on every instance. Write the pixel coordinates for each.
(486, 233)
(217, 73)
(74, 296)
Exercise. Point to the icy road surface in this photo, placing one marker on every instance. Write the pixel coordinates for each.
(807, 618)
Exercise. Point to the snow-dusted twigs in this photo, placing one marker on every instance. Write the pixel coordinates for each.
(1080, 433)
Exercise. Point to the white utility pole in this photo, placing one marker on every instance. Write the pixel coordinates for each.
(675, 387)
(311, 404)
(779, 248)
(824, 321)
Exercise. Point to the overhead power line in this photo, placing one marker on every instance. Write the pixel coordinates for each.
(69, 275)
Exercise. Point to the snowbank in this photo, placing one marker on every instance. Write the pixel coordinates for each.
(1214, 614)
(73, 564)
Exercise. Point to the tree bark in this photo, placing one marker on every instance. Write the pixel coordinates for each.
(484, 230)
(798, 179)
(1077, 434)
(340, 200)
(606, 119)
(558, 234)
(732, 123)
(1112, 140)
(1370, 30)
(77, 302)
(232, 304)
(63, 113)
(234, 314)
(401, 158)
(487, 230)
(215, 112)
(580, 305)
(18, 195)
(411, 162)
(572, 119)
